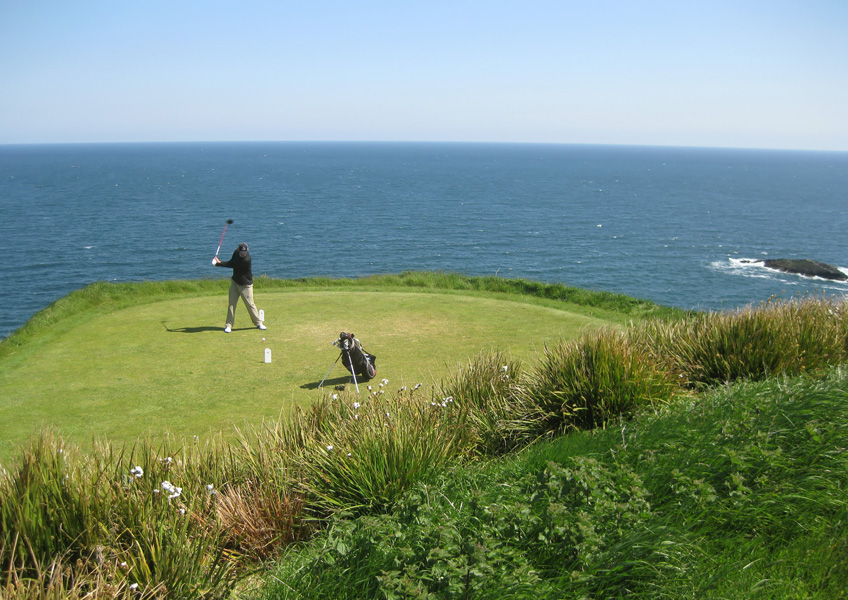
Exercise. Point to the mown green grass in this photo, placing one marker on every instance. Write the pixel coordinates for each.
(119, 361)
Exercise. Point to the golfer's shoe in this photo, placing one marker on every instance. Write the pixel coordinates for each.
(227, 329)
(261, 326)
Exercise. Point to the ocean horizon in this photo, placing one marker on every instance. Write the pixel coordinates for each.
(684, 227)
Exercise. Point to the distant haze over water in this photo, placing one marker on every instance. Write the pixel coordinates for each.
(678, 226)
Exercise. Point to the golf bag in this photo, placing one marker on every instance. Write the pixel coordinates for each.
(354, 358)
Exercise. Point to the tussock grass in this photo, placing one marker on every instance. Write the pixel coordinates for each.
(377, 447)
(489, 393)
(776, 338)
(584, 383)
(92, 518)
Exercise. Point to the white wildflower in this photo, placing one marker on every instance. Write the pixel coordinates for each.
(385, 382)
(210, 488)
(505, 368)
(356, 405)
(335, 396)
(137, 472)
(173, 491)
(133, 586)
(330, 447)
(417, 385)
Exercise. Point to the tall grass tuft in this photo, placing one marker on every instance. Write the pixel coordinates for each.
(488, 390)
(776, 338)
(141, 521)
(586, 382)
(373, 447)
(49, 508)
(258, 521)
(262, 506)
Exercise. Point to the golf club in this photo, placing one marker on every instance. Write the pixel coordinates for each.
(221, 241)
(350, 362)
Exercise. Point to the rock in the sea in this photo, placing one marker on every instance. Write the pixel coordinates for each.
(808, 268)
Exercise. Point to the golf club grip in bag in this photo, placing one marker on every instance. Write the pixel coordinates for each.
(355, 359)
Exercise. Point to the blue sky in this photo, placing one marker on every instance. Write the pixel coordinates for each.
(739, 73)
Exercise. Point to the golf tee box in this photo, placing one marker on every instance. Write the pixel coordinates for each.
(267, 355)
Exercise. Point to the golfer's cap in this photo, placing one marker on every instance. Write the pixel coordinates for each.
(242, 249)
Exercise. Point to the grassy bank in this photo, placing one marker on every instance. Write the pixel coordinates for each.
(738, 493)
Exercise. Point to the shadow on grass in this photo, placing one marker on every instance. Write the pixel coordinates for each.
(201, 329)
(331, 383)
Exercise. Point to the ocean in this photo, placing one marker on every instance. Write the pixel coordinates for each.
(684, 227)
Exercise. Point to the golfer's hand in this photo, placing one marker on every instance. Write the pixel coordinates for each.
(215, 260)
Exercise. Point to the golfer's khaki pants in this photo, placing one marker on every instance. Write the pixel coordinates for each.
(245, 292)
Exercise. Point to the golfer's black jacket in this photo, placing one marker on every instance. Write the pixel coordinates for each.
(242, 272)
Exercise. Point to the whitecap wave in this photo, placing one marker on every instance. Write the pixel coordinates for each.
(747, 267)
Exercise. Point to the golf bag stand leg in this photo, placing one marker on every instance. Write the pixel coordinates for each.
(352, 370)
(320, 385)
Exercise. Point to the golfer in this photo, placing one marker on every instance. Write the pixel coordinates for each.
(241, 285)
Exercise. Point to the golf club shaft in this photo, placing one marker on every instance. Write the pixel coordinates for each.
(221, 241)
(352, 370)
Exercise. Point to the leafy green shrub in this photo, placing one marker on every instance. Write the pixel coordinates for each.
(506, 535)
